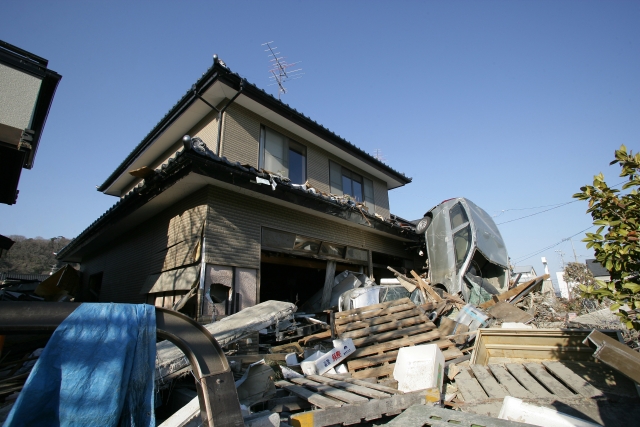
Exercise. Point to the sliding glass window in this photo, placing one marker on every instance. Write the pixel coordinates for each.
(283, 156)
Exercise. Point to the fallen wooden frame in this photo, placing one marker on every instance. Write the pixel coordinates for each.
(615, 354)
(540, 344)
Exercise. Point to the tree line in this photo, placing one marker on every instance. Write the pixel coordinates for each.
(32, 255)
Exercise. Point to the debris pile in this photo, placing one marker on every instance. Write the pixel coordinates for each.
(401, 352)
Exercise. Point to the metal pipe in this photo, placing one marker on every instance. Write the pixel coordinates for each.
(221, 113)
(206, 102)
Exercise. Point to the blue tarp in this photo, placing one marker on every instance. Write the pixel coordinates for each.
(96, 370)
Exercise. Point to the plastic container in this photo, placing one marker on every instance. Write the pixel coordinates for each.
(472, 317)
(419, 367)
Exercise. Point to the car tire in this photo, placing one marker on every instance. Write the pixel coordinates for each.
(423, 224)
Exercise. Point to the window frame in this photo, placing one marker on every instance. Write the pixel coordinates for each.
(366, 183)
(289, 145)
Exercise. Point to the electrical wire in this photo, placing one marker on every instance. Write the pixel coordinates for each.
(537, 213)
(556, 206)
(526, 209)
(526, 257)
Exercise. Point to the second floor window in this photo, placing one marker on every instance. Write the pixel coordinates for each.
(282, 155)
(344, 181)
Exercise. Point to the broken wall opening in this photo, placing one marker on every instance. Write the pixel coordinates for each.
(227, 290)
(381, 261)
(291, 278)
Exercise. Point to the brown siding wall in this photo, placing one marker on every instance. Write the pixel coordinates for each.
(241, 143)
(128, 261)
(234, 222)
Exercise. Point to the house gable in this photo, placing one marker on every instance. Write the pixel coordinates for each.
(217, 89)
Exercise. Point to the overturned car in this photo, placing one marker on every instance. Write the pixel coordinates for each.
(465, 251)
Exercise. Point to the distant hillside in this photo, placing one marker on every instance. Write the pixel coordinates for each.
(31, 256)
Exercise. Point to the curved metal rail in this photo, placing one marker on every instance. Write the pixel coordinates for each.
(219, 404)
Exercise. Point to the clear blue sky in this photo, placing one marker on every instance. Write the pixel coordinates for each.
(513, 104)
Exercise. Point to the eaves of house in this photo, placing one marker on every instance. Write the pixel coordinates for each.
(195, 166)
(213, 88)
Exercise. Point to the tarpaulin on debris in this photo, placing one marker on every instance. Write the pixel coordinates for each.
(97, 369)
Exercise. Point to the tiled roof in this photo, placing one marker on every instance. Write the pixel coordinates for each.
(207, 78)
(153, 184)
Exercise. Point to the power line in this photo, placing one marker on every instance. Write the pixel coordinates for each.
(526, 257)
(537, 213)
(546, 210)
(526, 209)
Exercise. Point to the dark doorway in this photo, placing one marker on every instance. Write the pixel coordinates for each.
(290, 278)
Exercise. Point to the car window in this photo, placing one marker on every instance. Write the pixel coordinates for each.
(458, 216)
(461, 245)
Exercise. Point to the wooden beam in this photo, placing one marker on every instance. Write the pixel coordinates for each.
(615, 354)
(513, 292)
(328, 284)
(426, 287)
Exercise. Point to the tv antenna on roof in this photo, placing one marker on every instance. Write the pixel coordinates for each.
(279, 69)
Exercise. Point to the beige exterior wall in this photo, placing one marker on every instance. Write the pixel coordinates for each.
(241, 143)
(149, 248)
(232, 230)
(234, 223)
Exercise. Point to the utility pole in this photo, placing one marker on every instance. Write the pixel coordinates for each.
(559, 252)
(575, 257)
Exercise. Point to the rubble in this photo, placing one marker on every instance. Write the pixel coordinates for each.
(360, 364)
(171, 361)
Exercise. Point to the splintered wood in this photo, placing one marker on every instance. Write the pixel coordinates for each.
(379, 331)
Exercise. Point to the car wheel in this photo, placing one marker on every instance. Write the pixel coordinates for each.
(423, 224)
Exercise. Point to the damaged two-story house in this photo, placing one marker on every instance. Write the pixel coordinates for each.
(236, 198)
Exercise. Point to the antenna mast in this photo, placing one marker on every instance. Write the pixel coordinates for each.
(279, 67)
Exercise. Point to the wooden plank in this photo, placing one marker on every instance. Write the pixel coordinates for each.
(508, 382)
(452, 353)
(471, 389)
(287, 404)
(373, 315)
(488, 383)
(365, 362)
(392, 345)
(527, 381)
(336, 393)
(354, 414)
(314, 398)
(387, 336)
(410, 312)
(513, 292)
(315, 337)
(408, 283)
(380, 371)
(426, 287)
(571, 379)
(617, 355)
(364, 384)
(372, 360)
(353, 388)
(463, 374)
(509, 313)
(602, 377)
(351, 315)
(391, 325)
(538, 371)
